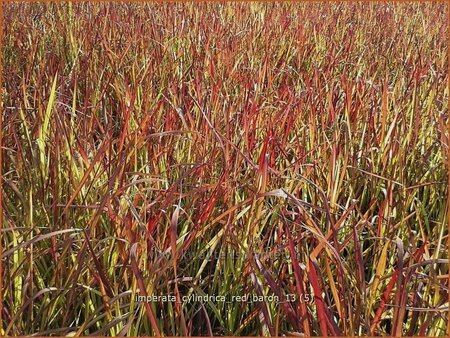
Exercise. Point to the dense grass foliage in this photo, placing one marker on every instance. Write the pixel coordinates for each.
(292, 152)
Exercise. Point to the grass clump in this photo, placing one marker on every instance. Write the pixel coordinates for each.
(286, 162)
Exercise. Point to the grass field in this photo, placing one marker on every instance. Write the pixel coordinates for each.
(225, 169)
